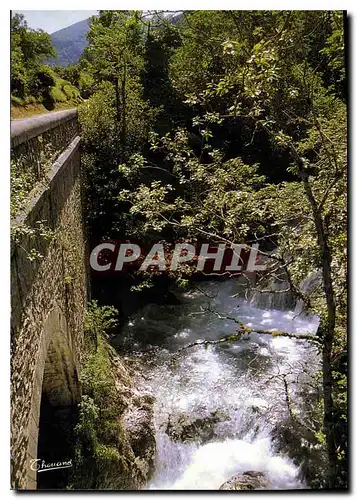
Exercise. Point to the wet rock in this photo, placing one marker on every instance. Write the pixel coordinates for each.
(302, 446)
(186, 428)
(249, 480)
(137, 422)
(132, 438)
(167, 299)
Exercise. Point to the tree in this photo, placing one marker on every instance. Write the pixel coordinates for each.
(29, 49)
(257, 153)
(273, 80)
(115, 119)
(115, 54)
(161, 41)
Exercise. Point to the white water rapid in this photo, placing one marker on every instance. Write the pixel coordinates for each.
(218, 407)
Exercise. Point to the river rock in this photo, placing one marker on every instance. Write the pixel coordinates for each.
(187, 428)
(249, 480)
(133, 436)
(138, 425)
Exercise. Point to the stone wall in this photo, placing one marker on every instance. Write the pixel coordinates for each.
(33, 140)
(48, 290)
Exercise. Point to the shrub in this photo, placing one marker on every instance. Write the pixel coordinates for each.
(98, 430)
(57, 95)
(70, 91)
(31, 100)
(46, 76)
(19, 86)
(16, 101)
(86, 84)
(99, 320)
(22, 182)
(40, 79)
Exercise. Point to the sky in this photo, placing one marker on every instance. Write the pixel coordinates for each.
(54, 20)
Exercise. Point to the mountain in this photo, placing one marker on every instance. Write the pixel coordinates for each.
(70, 43)
(175, 17)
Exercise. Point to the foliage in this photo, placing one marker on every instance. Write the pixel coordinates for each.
(31, 80)
(24, 180)
(115, 119)
(256, 150)
(29, 48)
(98, 432)
(99, 320)
(22, 232)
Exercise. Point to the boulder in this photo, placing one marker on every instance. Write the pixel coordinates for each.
(138, 425)
(186, 428)
(249, 480)
(132, 439)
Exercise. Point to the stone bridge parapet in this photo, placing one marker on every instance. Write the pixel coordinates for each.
(48, 283)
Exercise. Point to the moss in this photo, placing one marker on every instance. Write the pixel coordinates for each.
(105, 453)
(17, 101)
(57, 95)
(98, 431)
(71, 91)
(114, 449)
(63, 91)
(48, 90)
(98, 445)
(31, 100)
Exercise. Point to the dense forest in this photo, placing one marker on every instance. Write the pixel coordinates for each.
(222, 127)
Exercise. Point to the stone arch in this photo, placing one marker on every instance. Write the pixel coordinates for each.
(55, 379)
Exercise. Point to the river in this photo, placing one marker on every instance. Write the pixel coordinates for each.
(219, 407)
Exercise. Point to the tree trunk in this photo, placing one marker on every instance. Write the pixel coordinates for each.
(123, 114)
(328, 334)
(117, 101)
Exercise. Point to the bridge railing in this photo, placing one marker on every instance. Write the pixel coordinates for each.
(48, 276)
(36, 142)
(37, 217)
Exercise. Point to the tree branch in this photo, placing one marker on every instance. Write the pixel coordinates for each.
(244, 329)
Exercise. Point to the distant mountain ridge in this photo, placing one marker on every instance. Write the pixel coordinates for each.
(70, 43)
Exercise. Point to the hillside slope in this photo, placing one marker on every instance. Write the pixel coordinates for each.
(70, 43)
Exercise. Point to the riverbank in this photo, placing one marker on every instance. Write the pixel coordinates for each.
(114, 436)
